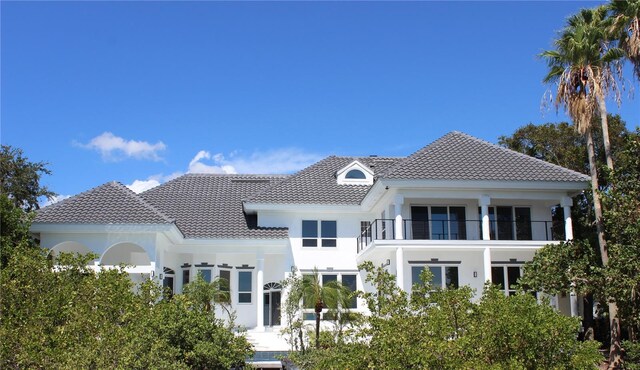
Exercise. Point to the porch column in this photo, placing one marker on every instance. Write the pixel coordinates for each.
(487, 264)
(399, 201)
(400, 267)
(566, 204)
(484, 202)
(260, 292)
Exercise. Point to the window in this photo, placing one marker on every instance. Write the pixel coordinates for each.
(508, 223)
(349, 281)
(444, 223)
(226, 276)
(365, 229)
(244, 287)
(355, 174)
(185, 277)
(326, 229)
(206, 274)
(506, 278)
(443, 276)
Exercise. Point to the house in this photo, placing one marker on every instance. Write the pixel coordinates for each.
(468, 210)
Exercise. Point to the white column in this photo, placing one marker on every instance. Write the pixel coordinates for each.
(566, 204)
(399, 200)
(484, 202)
(487, 264)
(260, 292)
(400, 268)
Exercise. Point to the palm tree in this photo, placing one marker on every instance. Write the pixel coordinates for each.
(581, 67)
(204, 294)
(625, 27)
(314, 294)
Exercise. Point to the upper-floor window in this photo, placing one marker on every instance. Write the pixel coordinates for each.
(509, 223)
(355, 174)
(438, 222)
(325, 231)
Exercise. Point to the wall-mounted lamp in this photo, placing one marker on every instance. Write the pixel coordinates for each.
(387, 263)
(293, 268)
(161, 276)
(475, 274)
(153, 273)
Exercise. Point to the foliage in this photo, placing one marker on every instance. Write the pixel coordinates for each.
(624, 26)
(65, 315)
(444, 329)
(20, 179)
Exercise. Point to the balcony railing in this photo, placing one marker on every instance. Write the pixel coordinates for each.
(454, 229)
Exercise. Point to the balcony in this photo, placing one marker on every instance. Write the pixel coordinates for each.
(457, 229)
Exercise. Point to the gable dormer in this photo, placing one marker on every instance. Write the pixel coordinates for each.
(355, 173)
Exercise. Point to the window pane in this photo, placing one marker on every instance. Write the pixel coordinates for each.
(328, 278)
(420, 223)
(439, 223)
(309, 242)
(513, 274)
(185, 277)
(365, 229)
(355, 174)
(436, 281)
(451, 276)
(308, 280)
(457, 223)
(415, 274)
(523, 223)
(309, 316)
(309, 229)
(206, 275)
(244, 297)
(329, 242)
(226, 275)
(349, 281)
(497, 276)
(505, 223)
(244, 281)
(329, 229)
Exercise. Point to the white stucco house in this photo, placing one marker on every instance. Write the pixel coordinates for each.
(466, 209)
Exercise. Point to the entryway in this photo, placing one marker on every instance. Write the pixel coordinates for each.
(272, 295)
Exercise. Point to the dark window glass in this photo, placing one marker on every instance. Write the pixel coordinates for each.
(185, 277)
(365, 229)
(439, 223)
(307, 304)
(497, 276)
(415, 274)
(451, 274)
(420, 222)
(457, 223)
(309, 233)
(206, 275)
(513, 274)
(167, 283)
(436, 280)
(349, 281)
(226, 275)
(329, 230)
(505, 223)
(244, 286)
(309, 316)
(355, 174)
(523, 223)
(329, 278)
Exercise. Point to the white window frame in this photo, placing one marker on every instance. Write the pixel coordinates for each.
(250, 291)
(443, 272)
(307, 311)
(319, 238)
(507, 289)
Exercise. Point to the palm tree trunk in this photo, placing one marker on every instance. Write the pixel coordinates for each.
(602, 107)
(317, 329)
(615, 355)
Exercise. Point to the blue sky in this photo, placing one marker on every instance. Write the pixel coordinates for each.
(145, 91)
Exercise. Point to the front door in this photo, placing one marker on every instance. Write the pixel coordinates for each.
(272, 296)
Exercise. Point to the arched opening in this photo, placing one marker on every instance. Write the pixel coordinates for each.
(272, 298)
(168, 281)
(126, 253)
(355, 174)
(68, 247)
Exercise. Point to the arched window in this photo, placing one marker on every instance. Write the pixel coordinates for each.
(355, 174)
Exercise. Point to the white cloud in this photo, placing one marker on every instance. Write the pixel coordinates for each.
(138, 186)
(115, 148)
(54, 199)
(277, 161)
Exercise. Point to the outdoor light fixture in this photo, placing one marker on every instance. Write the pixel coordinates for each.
(475, 274)
(387, 263)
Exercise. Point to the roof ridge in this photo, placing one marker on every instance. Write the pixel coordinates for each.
(143, 202)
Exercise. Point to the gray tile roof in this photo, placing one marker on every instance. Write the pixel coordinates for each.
(458, 156)
(317, 184)
(110, 203)
(210, 206)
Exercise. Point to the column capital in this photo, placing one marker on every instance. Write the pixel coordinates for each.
(566, 202)
(484, 200)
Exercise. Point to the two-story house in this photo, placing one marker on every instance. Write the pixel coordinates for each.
(468, 210)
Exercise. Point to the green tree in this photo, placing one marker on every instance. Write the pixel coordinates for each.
(580, 65)
(20, 179)
(625, 27)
